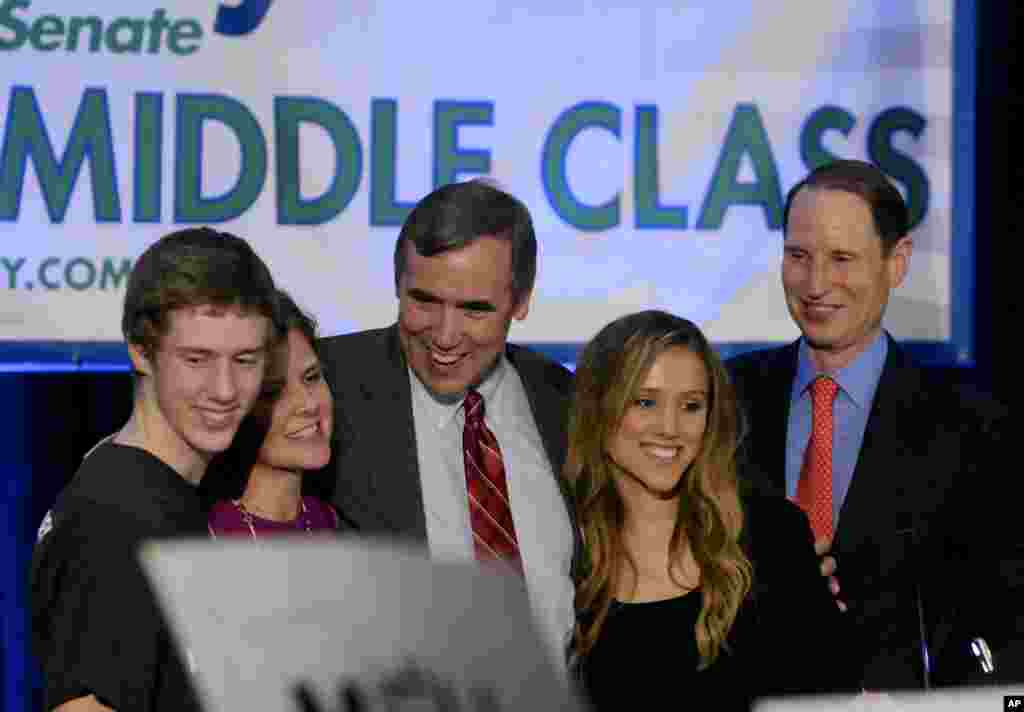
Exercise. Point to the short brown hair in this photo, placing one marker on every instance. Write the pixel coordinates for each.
(194, 267)
(457, 214)
(865, 180)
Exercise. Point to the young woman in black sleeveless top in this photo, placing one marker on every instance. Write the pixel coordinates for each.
(690, 590)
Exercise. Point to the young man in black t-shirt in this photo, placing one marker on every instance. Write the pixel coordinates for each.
(199, 318)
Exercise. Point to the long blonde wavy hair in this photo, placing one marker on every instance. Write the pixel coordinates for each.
(710, 517)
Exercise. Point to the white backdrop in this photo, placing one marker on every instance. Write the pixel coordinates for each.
(311, 134)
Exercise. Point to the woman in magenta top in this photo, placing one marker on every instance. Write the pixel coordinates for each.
(287, 435)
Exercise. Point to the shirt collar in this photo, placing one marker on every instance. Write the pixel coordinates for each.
(442, 412)
(858, 379)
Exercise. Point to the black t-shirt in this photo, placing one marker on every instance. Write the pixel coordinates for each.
(96, 626)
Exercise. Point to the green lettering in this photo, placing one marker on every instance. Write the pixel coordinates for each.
(12, 267)
(47, 25)
(113, 275)
(157, 24)
(149, 141)
(449, 160)
(650, 213)
(79, 284)
(26, 138)
(45, 267)
(12, 23)
(122, 35)
(897, 164)
(292, 208)
(193, 111)
(746, 137)
(827, 118)
(95, 26)
(556, 147)
(180, 34)
(385, 209)
(117, 43)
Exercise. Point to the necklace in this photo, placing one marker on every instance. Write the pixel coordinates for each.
(250, 522)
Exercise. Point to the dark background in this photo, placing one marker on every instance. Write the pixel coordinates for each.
(54, 418)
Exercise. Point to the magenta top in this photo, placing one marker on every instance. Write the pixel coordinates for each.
(230, 518)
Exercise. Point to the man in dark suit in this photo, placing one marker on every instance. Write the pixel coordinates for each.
(894, 466)
(465, 262)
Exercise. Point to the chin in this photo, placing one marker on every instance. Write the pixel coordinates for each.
(658, 487)
(211, 444)
(317, 459)
(663, 490)
(819, 340)
(446, 388)
(318, 463)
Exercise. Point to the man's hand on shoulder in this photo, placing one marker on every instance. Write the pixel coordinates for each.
(829, 566)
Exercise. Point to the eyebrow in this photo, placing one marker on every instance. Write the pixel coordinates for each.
(693, 392)
(422, 295)
(202, 351)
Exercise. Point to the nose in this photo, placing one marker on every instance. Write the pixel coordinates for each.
(308, 403)
(448, 330)
(819, 278)
(224, 387)
(668, 421)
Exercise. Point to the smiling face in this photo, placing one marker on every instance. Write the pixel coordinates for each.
(663, 426)
(835, 274)
(202, 379)
(299, 436)
(455, 309)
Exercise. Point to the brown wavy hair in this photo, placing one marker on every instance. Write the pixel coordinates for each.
(710, 516)
(228, 472)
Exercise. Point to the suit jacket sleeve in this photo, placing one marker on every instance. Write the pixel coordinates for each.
(802, 638)
(990, 585)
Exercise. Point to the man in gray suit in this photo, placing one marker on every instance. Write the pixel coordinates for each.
(465, 262)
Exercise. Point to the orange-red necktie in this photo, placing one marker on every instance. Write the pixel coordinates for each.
(490, 514)
(814, 490)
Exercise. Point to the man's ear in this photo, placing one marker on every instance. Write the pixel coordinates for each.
(523, 307)
(140, 362)
(899, 261)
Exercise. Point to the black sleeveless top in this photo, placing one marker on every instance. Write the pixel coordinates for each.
(641, 645)
(788, 637)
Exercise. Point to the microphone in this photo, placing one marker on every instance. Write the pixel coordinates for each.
(977, 653)
(983, 655)
(922, 630)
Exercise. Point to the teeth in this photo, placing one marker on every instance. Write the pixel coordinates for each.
(820, 308)
(217, 418)
(306, 432)
(664, 453)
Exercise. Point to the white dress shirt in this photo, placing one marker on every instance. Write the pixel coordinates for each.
(538, 510)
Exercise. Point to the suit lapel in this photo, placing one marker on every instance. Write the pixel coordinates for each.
(873, 501)
(393, 478)
(391, 481)
(773, 385)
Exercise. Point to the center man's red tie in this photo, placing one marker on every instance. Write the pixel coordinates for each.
(490, 513)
